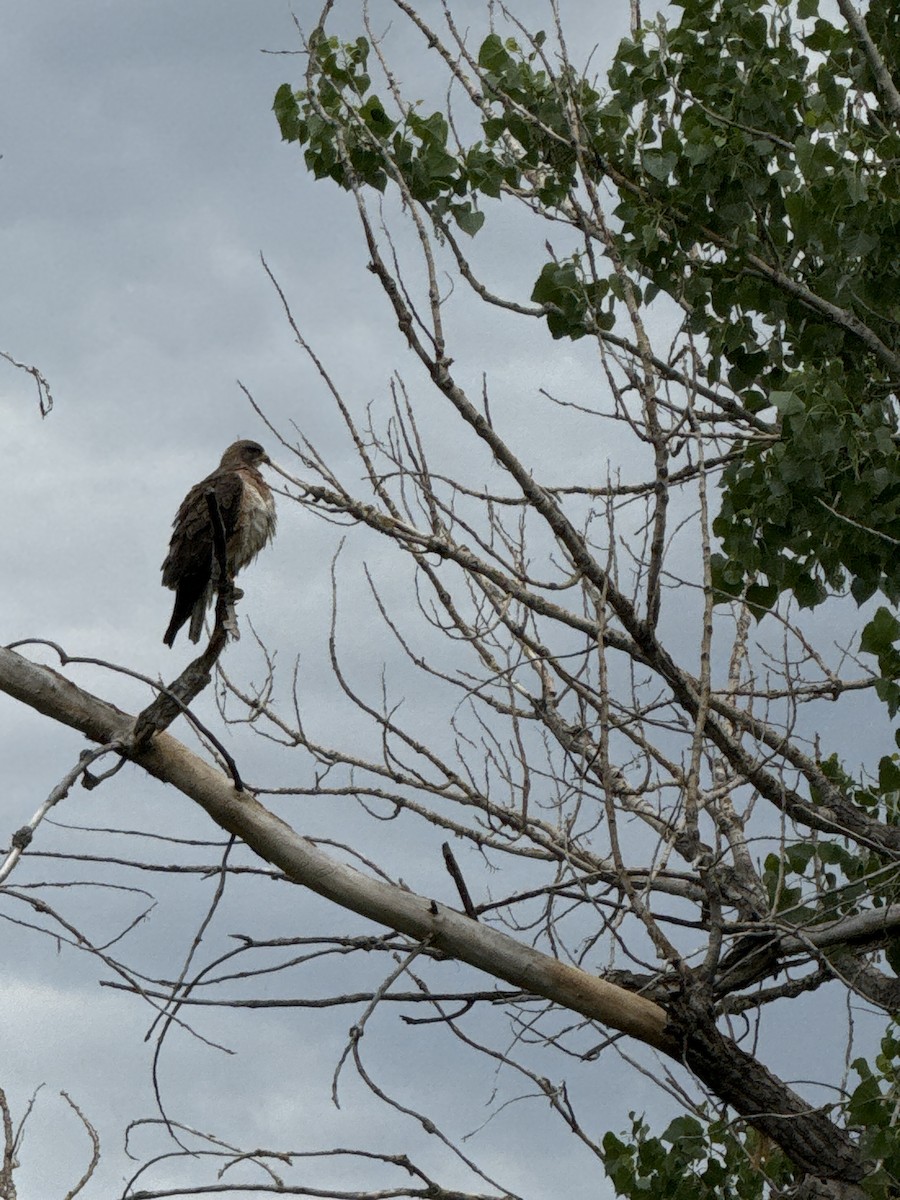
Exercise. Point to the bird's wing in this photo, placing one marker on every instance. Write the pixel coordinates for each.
(191, 548)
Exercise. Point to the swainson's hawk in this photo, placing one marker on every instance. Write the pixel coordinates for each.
(247, 508)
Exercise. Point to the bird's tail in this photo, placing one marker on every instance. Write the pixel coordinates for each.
(180, 613)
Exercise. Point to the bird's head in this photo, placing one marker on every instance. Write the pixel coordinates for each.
(244, 454)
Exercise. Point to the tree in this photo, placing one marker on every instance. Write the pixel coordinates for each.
(621, 712)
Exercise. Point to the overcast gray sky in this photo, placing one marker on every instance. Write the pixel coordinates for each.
(142, 175)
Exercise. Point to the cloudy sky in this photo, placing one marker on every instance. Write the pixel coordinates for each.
(142, 175)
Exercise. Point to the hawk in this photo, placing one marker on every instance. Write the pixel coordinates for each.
(247, 509)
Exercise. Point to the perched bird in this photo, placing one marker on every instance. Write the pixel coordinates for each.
(247, 508)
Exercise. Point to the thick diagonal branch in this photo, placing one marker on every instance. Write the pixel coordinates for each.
(814, 1142)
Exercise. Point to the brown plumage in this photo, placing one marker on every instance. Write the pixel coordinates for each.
(247, 508)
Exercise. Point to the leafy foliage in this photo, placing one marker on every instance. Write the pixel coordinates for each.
(753, 164)
(871, 1108)
(349, 135)
(756, 189)
(758, 193)
(693, 1160)
(879, 638)
(818, 881)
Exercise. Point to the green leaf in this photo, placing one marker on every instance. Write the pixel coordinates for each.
(889, 693)
(761, 597)
(809, 591)
(889, 774)
(470, 220)
(372, 112)
(492, 56)
(659, 165)
(880, 633)
(787, 403)
(287, 113)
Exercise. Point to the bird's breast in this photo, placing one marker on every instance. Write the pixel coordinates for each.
(255, 526)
